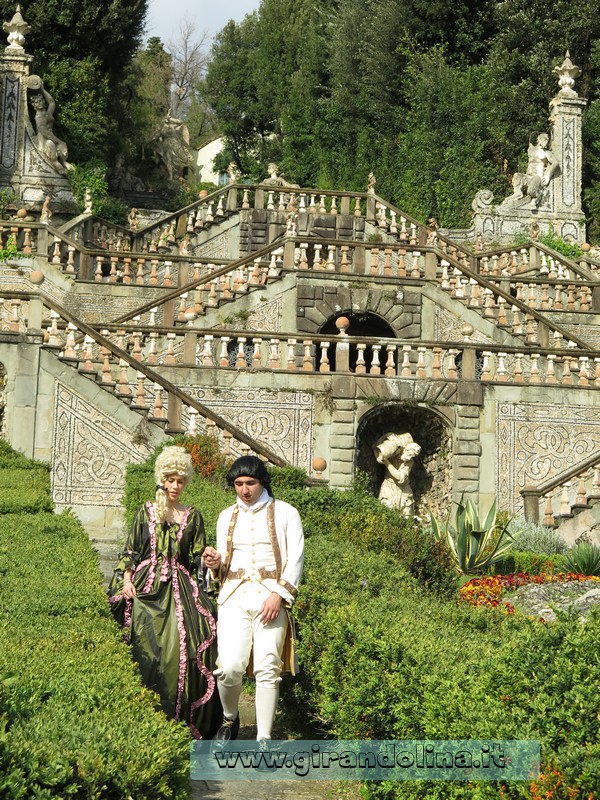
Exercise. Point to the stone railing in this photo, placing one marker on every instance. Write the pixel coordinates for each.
(564, 496)
(125, 374)
(98, 234)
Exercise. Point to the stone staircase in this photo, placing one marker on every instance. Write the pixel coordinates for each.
(152, 322)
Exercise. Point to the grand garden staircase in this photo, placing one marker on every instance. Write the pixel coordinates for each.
(525, 311)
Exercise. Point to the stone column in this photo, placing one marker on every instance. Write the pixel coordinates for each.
(565, 117)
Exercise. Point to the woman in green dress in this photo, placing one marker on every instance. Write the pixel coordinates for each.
(156, 596)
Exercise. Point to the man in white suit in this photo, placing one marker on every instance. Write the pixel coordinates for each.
(258, 559)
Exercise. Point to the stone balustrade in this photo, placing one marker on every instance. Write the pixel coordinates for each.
(565, 495)
(26, 236)
(385, 358)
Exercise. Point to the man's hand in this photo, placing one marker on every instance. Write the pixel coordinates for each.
(270, 608)
(211, 558)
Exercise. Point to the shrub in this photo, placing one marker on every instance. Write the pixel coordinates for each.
(584, 558)
(536, 538)
(532, 563)
(74, 718)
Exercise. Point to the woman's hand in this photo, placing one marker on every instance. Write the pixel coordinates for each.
(211, 558)
(129, 591)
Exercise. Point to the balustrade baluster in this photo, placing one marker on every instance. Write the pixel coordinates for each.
(170, 357)
(274, 355)
(421, 371)
(436, 369)
(192, 427)
(123, 389)
(565, 505)
(224, 355)
(331, 258)
(98, 271)
(158, 411)
(534, 373)
(374, 265)
(584, 372)
(375, 364)
(361, 367)
(558, 304)
(207, 358)
(307, 360)
(393, 223)
(322, 209)
(227, 436)
(357, 211)
(452, 369)
(416, 270)
(486, 372)
(501, 371)
(291, 358)
(444, 283)
(114, 260)
(324, 362)
(344, 262)
(567, 377)
(333, 208)
(549, 520)
(518, 369)
(70, 350)
(402, 263)
(153, 280)
(256, 354)
(240, 362)
(317, 259)
(246, 199)
(550, 370)
(405, 370)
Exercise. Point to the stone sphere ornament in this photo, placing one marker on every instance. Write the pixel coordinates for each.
(319, 465)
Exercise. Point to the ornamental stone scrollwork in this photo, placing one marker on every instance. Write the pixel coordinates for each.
(282, 420)
(537, 442)
(91, 451)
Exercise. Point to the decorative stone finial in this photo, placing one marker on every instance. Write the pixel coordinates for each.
(342, 324)
(566, 75)
(17, 28)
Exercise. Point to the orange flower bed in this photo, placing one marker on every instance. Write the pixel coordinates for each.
(488, 591)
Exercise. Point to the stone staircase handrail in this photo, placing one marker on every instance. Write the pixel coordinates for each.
(155, 377)
(532, 495)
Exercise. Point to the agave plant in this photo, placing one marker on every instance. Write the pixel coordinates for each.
(474, 544)
(584, 558)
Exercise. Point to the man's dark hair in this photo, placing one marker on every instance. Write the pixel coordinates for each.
(250, 467)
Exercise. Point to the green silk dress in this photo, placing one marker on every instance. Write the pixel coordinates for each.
(171, 623)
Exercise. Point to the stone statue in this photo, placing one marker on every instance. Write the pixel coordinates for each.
(233, 172)
(397, 451)
(46, 212)
(133, 220)
(54, 149)
(291, 225)
(276, 179)
(541, 167)
(172, 145)
(371, 181)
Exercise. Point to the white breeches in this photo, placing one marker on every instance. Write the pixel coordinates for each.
(240, 632)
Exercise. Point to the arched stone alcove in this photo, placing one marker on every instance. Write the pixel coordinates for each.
(365, 324)
(431, 476)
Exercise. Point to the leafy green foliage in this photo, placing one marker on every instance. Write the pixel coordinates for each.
(475, 544)
(584, 558)
(74, 718)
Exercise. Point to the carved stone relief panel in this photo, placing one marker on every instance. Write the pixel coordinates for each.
(266, 317)
(91, 451)
(281, 420)
(218, 247)
(536, 442)
(448, 329)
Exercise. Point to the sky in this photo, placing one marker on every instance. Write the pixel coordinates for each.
(210, 16)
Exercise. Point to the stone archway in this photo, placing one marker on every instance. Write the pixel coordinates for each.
(431, 476)
(364, 324)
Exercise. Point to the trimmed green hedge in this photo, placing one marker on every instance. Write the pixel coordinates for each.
(74, 717)
(382, 658)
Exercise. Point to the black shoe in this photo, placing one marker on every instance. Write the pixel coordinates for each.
(229, 730)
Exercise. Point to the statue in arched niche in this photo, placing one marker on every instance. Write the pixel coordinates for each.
(54, 149)
(397, 451)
